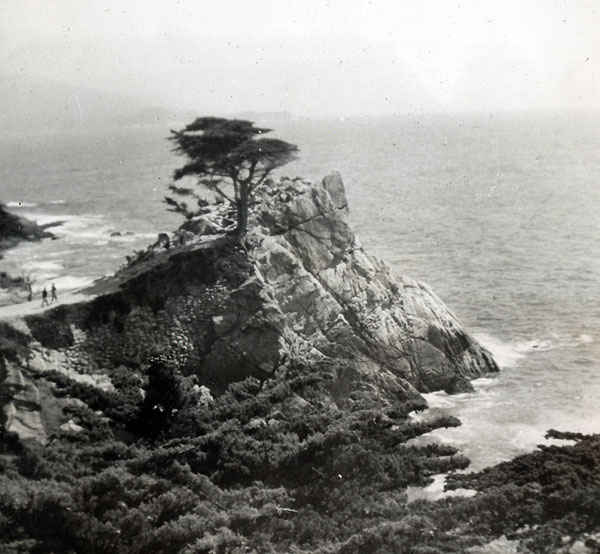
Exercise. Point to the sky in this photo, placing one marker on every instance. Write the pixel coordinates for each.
(313, 58)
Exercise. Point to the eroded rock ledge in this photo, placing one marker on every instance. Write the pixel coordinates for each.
(302, 288)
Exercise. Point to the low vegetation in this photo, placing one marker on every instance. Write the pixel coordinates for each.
(162, 466)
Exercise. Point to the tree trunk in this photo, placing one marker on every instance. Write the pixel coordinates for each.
(242, 215)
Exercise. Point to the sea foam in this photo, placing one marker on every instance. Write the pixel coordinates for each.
(20, 204)
(506, 354)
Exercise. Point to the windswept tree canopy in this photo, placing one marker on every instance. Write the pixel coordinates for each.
(229, 157)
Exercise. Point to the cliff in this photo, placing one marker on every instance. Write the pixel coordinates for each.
(302, 290)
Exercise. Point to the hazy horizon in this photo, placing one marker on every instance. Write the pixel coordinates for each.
(82, 62)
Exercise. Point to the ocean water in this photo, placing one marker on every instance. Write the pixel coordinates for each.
(500, 215)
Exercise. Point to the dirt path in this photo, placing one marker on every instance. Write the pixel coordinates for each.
(109, 284)
(34, 307)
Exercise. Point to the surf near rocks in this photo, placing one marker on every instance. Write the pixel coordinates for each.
(302, 289)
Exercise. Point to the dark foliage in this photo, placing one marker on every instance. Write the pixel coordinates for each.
(165, 396)
(13, 343)
(227, 157)
(51, 330)
(272, 467)
(121, 406)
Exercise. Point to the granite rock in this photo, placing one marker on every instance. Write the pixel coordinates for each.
(301, 289)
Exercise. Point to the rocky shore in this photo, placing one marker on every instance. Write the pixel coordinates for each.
(302, 288)
(222, 397)
(13, 230)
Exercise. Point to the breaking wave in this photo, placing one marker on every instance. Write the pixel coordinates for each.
(20, 204)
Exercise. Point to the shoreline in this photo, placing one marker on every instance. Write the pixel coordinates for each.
(340, 461)
(14, 230)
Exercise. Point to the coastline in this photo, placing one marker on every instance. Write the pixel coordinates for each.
(15, 229)
(335, 444)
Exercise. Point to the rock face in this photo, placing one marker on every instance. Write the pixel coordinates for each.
(302, 290)
(22, 413)
(393, 331)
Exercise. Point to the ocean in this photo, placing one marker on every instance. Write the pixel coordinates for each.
(499, 214)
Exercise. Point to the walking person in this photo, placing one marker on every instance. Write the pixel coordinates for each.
(45, 298)
(29, 291)
(53, 292)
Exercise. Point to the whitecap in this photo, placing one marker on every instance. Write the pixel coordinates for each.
(44, 219)
(76, 228)
(585, 339)
(524, 437)
(60, 253)
(439, 399)
(505, 353)
(70, 282)
(92, 229)
(42, 270)
(484, 383)
(37, 266)
(124, 238)
(20, 204)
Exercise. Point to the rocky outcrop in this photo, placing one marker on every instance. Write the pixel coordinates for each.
(22, 411)
(349, 305)
(302, 290)
(14, 229)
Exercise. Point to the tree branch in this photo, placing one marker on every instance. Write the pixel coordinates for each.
(236, 190)
(266, 173)
(251, 172)
(226, 196)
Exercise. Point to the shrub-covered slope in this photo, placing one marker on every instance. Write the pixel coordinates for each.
(275, 467)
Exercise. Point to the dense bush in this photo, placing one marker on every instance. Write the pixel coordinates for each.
(272, 467)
